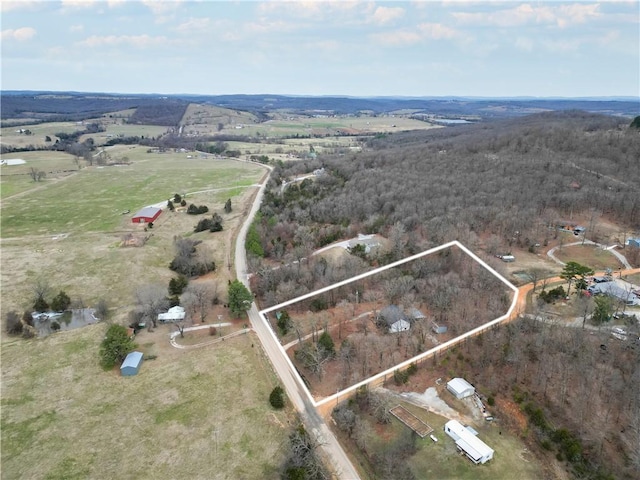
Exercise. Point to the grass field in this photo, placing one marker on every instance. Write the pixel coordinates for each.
(188, 414)
(93, 198)
(589, 255)
(443, 461)
(11, 136)
(69, 230)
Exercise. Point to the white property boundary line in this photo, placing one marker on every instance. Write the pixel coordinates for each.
(406, 363)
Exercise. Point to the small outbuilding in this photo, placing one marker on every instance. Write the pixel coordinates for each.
(460, 388)
(147, 215)
(468, 443)
(131, 364)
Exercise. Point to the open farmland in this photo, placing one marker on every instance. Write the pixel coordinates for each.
(205, 119)
(188, 414)
(105, 192)
(15, 178)
(12, 136)
(331, 125)
(70, 230)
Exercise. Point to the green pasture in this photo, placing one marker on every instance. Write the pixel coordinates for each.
(15, 178)
(201, 413)
(93, 198)
(10, 136)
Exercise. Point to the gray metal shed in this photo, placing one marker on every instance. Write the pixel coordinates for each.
(131, 364)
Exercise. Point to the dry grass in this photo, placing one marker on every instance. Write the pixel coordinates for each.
(590, 255)
(188, 414)
(88, 262)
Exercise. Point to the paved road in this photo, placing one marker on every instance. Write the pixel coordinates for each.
(314, 423)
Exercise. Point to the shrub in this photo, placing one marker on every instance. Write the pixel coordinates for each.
(61, 302)
(318, 304)
(284, 322)
(27, 317)
(212, 331)
(40, 305)
(177, 285)
(400, 377)
(276, 398)
(491, 401)
(55, 326)
(13, 324)
(326, 342)
(197, 210)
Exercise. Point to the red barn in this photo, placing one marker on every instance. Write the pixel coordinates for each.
(147, 215)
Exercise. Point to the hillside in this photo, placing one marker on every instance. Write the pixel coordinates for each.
(511, 179)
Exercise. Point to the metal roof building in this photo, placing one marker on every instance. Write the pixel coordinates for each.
(147, 215)
(131, 364)
(467, 442)
(460, 388)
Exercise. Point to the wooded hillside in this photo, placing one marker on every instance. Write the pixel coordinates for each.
(510, 178)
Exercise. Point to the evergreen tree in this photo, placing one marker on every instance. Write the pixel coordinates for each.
(240, 298)
(115, 346)
(276, 398)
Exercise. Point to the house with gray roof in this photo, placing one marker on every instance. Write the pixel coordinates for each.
(398, 320)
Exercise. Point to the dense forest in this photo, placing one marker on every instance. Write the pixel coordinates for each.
(504, 182)
(573, 382)
(511, 179)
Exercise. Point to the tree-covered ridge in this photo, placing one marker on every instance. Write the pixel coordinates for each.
(502, 177)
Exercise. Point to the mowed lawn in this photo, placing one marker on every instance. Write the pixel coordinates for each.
(442, 460)
(590, 255)
(197, 414)
(94, 198)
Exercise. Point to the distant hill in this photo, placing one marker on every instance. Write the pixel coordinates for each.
(78, 106)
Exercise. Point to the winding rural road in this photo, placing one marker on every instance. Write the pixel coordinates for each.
(313, 421)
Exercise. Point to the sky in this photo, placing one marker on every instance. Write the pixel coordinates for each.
(361, 48)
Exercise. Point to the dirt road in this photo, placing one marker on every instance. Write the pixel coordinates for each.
(332, 450)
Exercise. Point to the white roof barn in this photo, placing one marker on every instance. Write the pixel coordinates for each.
(467, 442)
(460, 388)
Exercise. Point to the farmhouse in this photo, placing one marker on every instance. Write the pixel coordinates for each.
(131, 364)
(613, 290)
(147, 215)
(460, 388)
(174, 314)
(397, 320)
(468, 443)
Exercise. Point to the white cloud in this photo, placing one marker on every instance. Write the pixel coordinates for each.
(162, 8)
(74, 4)
(76, 28)
(333, 11)
(561, 15)
(422, 32)
(436, 31)
(137, 41)
(19, 34)
(115, 3)
(194, 25)
(384, 15)
(10, 5)
(267, 26)
(397, 38)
